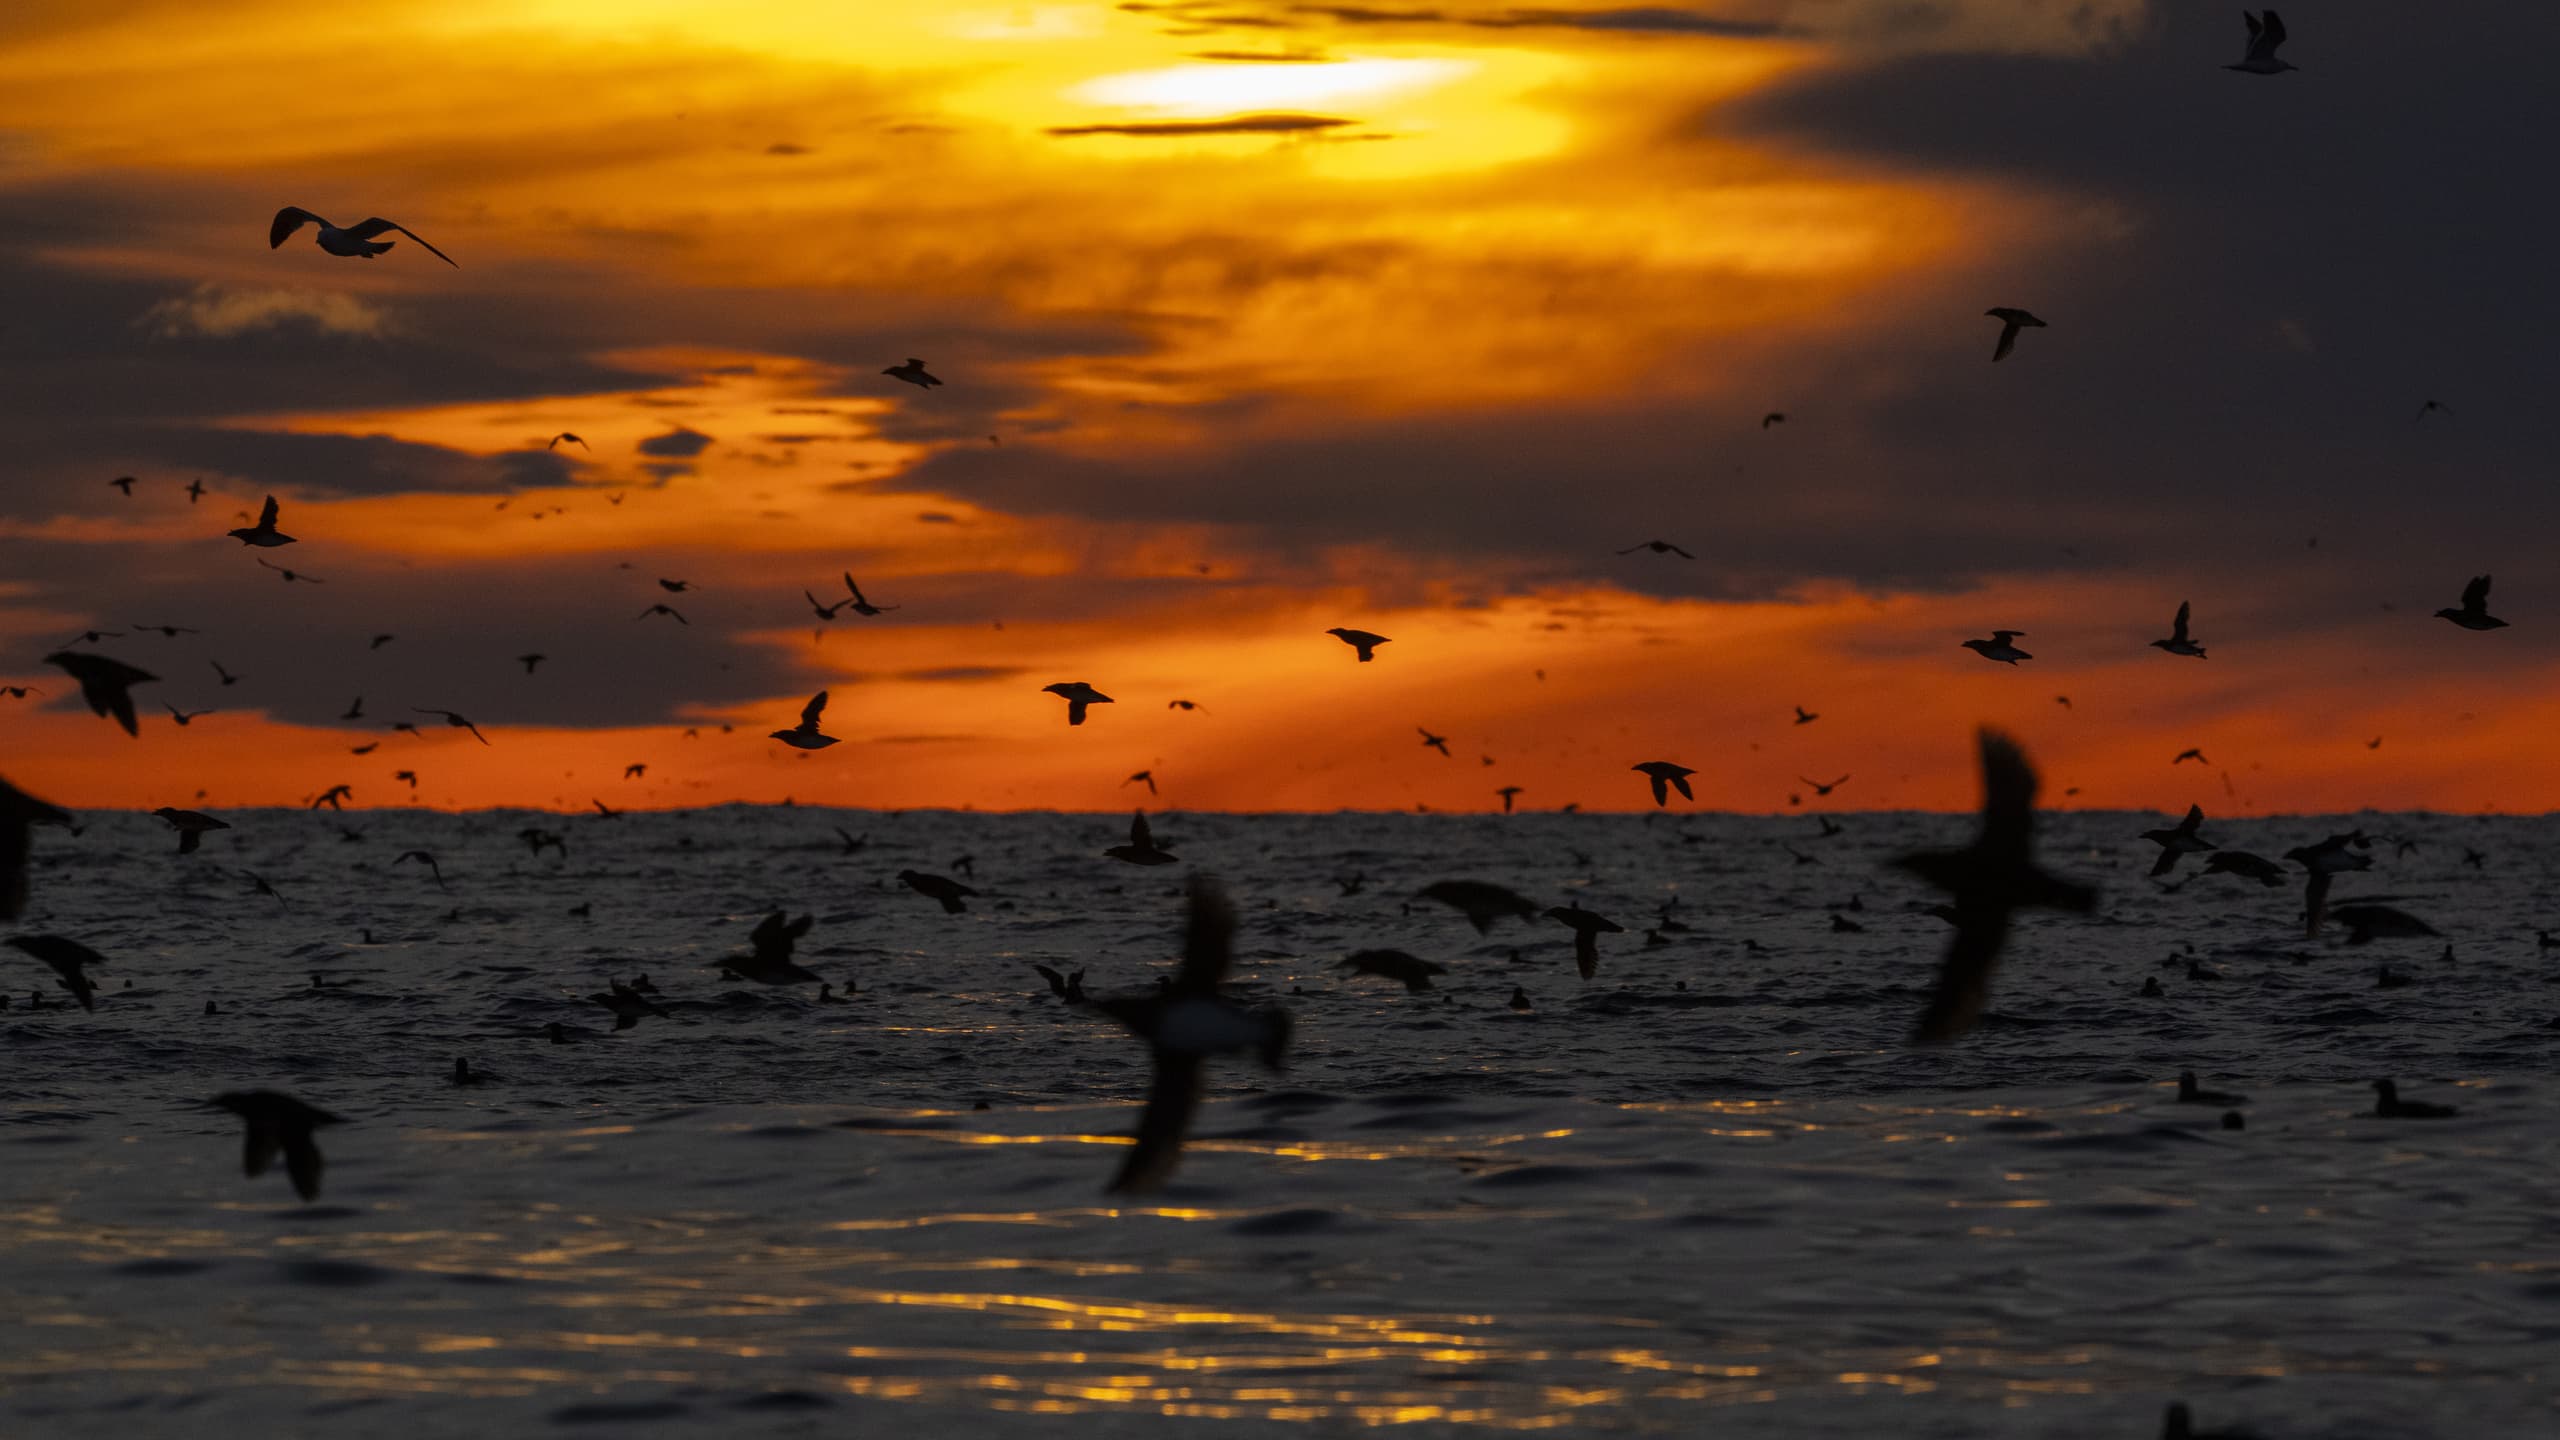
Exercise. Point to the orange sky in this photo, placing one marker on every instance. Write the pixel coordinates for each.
(1407, 327)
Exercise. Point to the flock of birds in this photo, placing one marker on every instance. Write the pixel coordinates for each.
(1187, 1021)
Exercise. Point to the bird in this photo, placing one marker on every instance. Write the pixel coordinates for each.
(1986, 881)
(2194, 753)
(627, 1005)
(1069, 988)
(455, 721)
(190, 825)
(195, 491)
(1481, 903)
(1078, 695)
(860, 605)
(1142, 848)
(1360, 640)
(2331, 857)
(667, 610)
(852, 846)
(2474, 614)
(1666, 777)
(805, 736)
(1186, 705)
(563, 435)
(2265, 34)
(2178, 643)
(409, 775)
(823, 612)
(530, 660)
(294, 576)
(1587, 929)
(1658, 547)
(2389, 1106)
(1433, 742)
(1820, 789)
(675, 587)
(1520, 999)
(2178, 841)
(2188, 1094)
(68, 959)
(1805, 717)
(1183, 1025)
(378, 641)
(951, 893)
(2011, 321)
(423, 858)
(2245, 865)
(913, 372)
(19, 813)
(1507, 792)
(638, 769)
(183, 717)
(225, 676)
(2367, 923)
(1412, 971)
(1774, 417)
(264, 534)
(1998, 647)
(536, 840)
(105, 683)
(770, 961)
(123, 483)
(353, 242)
(1148, 776)
(278, 1122)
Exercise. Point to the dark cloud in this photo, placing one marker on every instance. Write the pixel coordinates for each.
(961, 674)
(683, 442)
(1270, 124)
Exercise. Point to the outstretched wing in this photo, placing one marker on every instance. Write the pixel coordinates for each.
(377, 225)
(2178, 630)
(1208, 942)
(2008, 340)
(267, 514)
(1964, 976)
(2475, 596)
(810, 712)
(288, 220)
(1170, 1101)
(302, 1161)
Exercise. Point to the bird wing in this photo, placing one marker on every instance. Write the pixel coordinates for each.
(1683, 554)
(377, 225)
(1056, 981)
(2178, 630)
(1140, 838)
(258, 1151)
(1208, 943)
(1964, 976)
(1161, 1126)
(2271, 30)
(302, 1158)
(288, 220)
(267, 514)
(856, 589)
(2008, 803)
(2315, 902)
(2195, 817)
(2008, 340)
(810, 712)
(2475, 596)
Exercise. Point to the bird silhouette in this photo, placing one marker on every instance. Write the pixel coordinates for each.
(190, 825)
(105, 683)
(2265, 34)
(1507, 792)
(1587, 929)
(2178, 643)
(627, 1005)
(264, 534)
(293, 577)
(914, 373)
(951, 894)
(1820, 789)
(667, 610)
(1483, 904)
(1774, 417)
(529, 661)
(1142, 848)
(1667, 777)
(1998, 647)
(183, 717)
(1149, 776)
(1078, 695)
(352, 242)
(68, 959)
(1805, 717)
(564, 435)
(770, 962)
(1986, 882)
(169, 632)
(1069, 988)
(2390, 1106)
(279, 1123)
(20, 812)
(195, 491)
(1360, 640)
(2188, 754)
(453, 720)
(2474, 614)
(861, 605)
(2246, 866)
(823, 612)
(1433, 742)
(423, 858)
(1184, 1024)
(2012, 320)
(1658, 547)
(805, 735)
(2179, 841)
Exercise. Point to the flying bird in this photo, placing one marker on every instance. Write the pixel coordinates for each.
(2367, 923)
(353, 242)
(942, 888)
(183, 717)
(2011, 320)
(123, 483)
(2191, 753)
(423, 858)
(1998, 647)
(294, 576)
(1805, 717)
(68, 960)
(1774, 417)
(264, 534)
(805, 736)
(1069, 988)
(2178, 643)
(627, 1005)
(1667, 777)
(1183, 1025)
(2245, 865)
(2179, 841)
(106, 684)
(2474, 614)
(278, 1122)
(1507, 792)
(529, 661)
(190, 825)
(1186, 705)
(455, 721)
(914, 373)
(1985, 882)
(2265, 34)
(1142, 848)
(824, 612)
(169, 632)
(331, 796)
(772, 941)
(1587, 929)
(1078, 695)
(2323, 863)
(1433, 742)
(2432, 407)
(195, 491)
(1659, 547)
(1147, 775)
(563, 435)
(1481, 903)
(1820, 789)
(860, 605)
(1360, 640)
(663, 609)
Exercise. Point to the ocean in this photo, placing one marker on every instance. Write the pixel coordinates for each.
(1710, 1191)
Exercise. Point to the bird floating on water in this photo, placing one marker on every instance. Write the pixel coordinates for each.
(354, 242)
(2388, 1105)
(1142, 848)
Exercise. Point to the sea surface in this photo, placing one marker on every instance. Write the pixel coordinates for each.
(1709, 1192)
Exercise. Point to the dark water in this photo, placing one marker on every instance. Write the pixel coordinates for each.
(1708, 1188)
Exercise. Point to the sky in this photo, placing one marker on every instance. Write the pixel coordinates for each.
(1257, 319)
